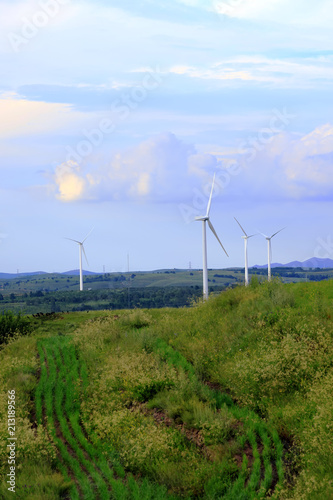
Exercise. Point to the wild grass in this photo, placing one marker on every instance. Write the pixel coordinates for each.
(122, 404)
(92, 464)
(140, 367)
(270, 347)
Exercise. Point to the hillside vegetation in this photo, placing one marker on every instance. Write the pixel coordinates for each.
(46, 293)
(231, 399)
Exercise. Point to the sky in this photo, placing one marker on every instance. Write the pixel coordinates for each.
(115, 116)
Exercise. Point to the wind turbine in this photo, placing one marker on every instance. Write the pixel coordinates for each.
(245, 238)
(81, 248)
(268, 238)
(204, 219)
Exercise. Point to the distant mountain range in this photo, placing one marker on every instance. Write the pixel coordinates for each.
(311, 263)
(75, 272)
(9, 276)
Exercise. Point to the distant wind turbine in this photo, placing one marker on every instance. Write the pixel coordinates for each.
(204, 219)
(245, 237)
(81, 248)
(268, 238)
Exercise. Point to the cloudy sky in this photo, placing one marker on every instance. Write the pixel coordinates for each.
(116, 115)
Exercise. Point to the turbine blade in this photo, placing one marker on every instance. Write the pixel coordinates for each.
(91, 230)
(262, 234)
(214, 232)
(251, 235)
(70, 239)
(84, 253)
(278, 232)
(210, 198)
(241, 227)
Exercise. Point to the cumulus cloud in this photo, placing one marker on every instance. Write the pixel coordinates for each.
(289, 166)
(162, 168)
(307, 163)
(165, 169)
(70, 183)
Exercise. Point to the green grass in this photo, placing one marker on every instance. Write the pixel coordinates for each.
(95, 475)
(55, 292)
(227, 399)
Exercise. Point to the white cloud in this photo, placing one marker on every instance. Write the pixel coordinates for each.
(21, 22)
(21, 117)
(212, 74)
(71, 184)
(304, 73)
(248, 9)
(290, 166)
(162, 168)
(307, 163)
(277, 11)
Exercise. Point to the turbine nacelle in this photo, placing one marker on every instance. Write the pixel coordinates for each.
(270, 237)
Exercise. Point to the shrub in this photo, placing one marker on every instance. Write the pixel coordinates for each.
(11, 323)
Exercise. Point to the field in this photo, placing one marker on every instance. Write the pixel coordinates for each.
(230, 399)
(47, 293)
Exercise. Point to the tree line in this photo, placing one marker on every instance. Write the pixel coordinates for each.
(125, 298)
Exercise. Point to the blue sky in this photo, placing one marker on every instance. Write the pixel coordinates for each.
(116, 117)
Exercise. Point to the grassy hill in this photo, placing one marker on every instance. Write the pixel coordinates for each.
(46, 293)
(230, 399)
(46, 282)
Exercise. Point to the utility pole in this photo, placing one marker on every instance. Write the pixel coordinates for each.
(129, 282)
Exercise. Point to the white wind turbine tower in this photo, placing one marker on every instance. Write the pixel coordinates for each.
(269, 244)
(81, 248)
(245, 238)
(204, 219)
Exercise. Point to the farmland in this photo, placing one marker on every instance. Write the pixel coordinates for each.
(226, 399)
(31, 294)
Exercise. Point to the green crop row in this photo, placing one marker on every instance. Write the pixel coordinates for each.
(57, 396)
(253, 426)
